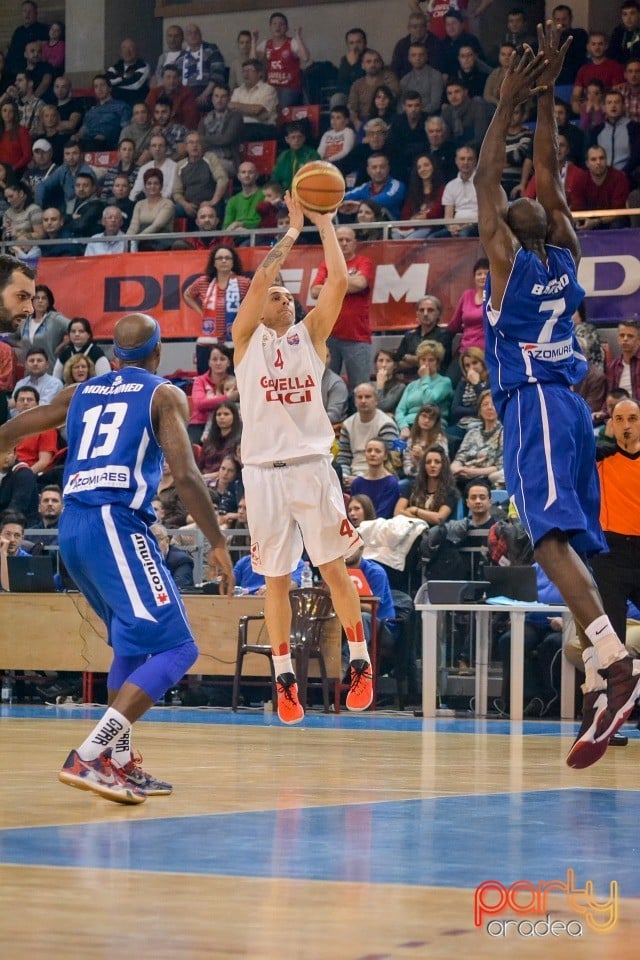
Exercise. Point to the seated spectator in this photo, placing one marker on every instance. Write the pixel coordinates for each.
(254, 583)
(371, 212)
(241, 212)
(430, 387)
(257, 102)
(174, 41)
(381, 187)
(222, 435)
(576, 54)
(210, 389)
(243, 42)
(365, 424)
(335, 395)
(129, 76)
(574, 134)
(122, 199)
(22, 221)
(441, 147)
(383, 105)
(630, 89)
(362, 91)
(389, 387)
(418, 32)
(340, 139)
(58, 189)
(268, 209)
(41, 166)
(102, 124)
(86, 213)
(407, 136)
(625, 39)
(426, 431)
(216, 296)
(38, 71)
(375, 140)
(78, 369)
(164, 125)
(424, 197)
(35, 368)
(45, 328)
(605, 189)
(473, 381)
(518, 32)
(284, 58)
(18, 488)
(201, 65)
(54, 49)
(624, 370)
(442, 543)
(112, 221)
(30, 29)
(467, 319)
(139, 131)
(350, 66)
(29, 106)
(433, 496)
(455, 38)
(573, 178)
(619, 136)
(296, 156)
(153, 215)
(518, 145)
(182, 98)
(55, 228)
(38, 450)
(69, 109)
(199, 177)
(11, 537)
(428, 315)
(49, 512)
(179, 562)
(222, 129)
(592, 107)
(206, 220)
(480, 453)
(359, 508)
(600, 66)
(472, 71)
(377, 482)
(81, 343)
(15, 143)
(467, 119)
(158, 148)
(226, 491)
(493, 81)
(459, 197)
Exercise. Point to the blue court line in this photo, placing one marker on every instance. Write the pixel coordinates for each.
(457, 841)
(345, 721)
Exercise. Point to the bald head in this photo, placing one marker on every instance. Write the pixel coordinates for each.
(528, 220)
(133, 333)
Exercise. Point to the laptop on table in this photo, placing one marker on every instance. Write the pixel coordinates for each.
(31, 574)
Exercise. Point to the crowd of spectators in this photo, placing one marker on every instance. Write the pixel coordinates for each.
(416, 429)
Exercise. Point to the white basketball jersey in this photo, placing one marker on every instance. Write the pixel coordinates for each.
(283, 417)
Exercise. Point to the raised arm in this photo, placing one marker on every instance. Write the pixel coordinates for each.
(549, 189)
(251, 309)
(321, 320)
(495, 235)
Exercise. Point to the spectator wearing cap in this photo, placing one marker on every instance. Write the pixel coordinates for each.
(86, 214)
(103, 123)
(455, 38)
(42, 165)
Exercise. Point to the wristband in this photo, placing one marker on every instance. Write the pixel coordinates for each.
(293, 233)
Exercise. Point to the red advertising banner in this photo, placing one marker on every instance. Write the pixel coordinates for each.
(104, 288)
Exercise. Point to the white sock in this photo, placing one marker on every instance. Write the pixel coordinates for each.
(282, 664)
(604, 638)
(109, 729)
(121, 750)
(358, 651)
(593, 680)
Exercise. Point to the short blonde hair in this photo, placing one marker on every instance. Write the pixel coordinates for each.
(433, 347)
(67, 372)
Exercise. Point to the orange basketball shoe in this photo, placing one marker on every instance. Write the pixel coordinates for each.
(360, 694)
(289, 709)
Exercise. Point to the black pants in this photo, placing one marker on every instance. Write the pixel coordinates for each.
(617, 575)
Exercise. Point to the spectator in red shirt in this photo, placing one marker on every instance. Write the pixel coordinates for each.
(39, 450)
(573, 178)
(605, 189)
(350, 340)
(185, 108)
(600, 66)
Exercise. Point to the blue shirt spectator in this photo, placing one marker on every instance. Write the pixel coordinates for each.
(254, 582)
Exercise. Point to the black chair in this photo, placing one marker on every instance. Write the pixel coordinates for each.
(311, 608)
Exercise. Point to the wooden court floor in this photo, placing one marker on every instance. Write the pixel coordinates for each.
(350, 838)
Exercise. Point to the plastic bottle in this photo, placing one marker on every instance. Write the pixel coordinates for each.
(6, 695)
(240, 591)
(306, 579)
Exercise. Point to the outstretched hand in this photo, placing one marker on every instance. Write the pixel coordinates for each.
(521, 74)
(548, 46)
(296, 212)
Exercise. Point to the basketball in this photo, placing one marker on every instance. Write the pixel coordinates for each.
(319, 186)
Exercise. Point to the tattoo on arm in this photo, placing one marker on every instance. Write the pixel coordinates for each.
(278, 253)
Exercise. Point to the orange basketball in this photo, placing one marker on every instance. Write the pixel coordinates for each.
(319, 186)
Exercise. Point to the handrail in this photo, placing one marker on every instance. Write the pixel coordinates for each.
(385, 226)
